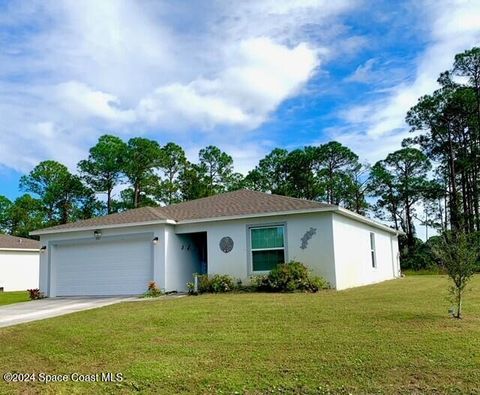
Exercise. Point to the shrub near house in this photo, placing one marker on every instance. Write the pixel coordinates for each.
(290, 277)
(286, 277)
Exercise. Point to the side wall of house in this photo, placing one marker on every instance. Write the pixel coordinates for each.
(317, 253)
(353, 256)
(19, 270)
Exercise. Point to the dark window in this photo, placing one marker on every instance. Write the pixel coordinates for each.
(267, 247)
(372, 250)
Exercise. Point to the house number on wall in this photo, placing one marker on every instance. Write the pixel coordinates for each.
(226, 244)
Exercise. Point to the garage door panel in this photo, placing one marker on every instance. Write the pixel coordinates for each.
(103, 268)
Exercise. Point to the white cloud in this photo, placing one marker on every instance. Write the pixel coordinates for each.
(81, 100)
(261, 76)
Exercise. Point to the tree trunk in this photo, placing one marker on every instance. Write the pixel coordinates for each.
(459, 305)
(465, 215)
(136, 195)
(109, 201)
(454, 217)
(409, 224)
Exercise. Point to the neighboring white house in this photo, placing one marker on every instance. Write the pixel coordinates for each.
(19, 263)
(239, 233)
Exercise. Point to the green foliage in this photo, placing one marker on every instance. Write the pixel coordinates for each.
(24, 215)
(5, 209)
(143, 157)
(153, 291)
(289, 277)
(270, 175)
(329, 172)
(458, 254)
(420, 256)
(400, 181)
(103, 168)
(336, 164)
(216, 169)
(300, 166)
(433, 271)
(60, 192)
(217, 283)
(191, 183)
(191, 288)
(172, 162)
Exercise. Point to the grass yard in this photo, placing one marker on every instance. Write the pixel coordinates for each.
(13, 297)
(393, 337)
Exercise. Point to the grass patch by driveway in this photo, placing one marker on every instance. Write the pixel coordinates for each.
(13, 297)
(392, 337)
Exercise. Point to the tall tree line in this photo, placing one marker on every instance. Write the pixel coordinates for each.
(448, 127)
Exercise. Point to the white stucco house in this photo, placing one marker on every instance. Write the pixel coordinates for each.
(239, 233)
(19, 263)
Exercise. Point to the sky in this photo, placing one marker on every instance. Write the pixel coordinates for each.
(247, 76)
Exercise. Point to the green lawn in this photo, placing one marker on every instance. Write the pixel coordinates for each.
(13, 297)
(394, 337)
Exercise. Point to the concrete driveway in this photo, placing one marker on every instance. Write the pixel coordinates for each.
(19, 313)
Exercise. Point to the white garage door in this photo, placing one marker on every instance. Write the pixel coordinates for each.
(122, 267)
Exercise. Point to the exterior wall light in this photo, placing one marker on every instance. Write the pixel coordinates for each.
(97, 234)
(43, 249)
(155, 240)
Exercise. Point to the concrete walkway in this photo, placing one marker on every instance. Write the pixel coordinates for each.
(19, 313)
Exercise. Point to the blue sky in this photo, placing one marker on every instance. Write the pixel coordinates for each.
(247, 76)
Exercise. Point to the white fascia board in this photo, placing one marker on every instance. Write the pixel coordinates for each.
(21, 249)
(100, 227)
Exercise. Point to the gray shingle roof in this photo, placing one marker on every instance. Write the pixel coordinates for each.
(230, 204)
(242, 202)
(20, 243)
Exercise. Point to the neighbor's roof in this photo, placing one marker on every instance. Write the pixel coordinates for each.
(228, 205)
(8, 242)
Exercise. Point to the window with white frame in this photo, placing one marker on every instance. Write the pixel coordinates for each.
(267, 247)
(372, 250)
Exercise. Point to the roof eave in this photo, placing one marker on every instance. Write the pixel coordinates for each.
(21, 249)
(99, 227)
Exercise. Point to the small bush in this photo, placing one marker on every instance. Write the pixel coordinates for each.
(290, 277)
(215, 284)
(35, 294)
(191, 288)
(153, 291)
